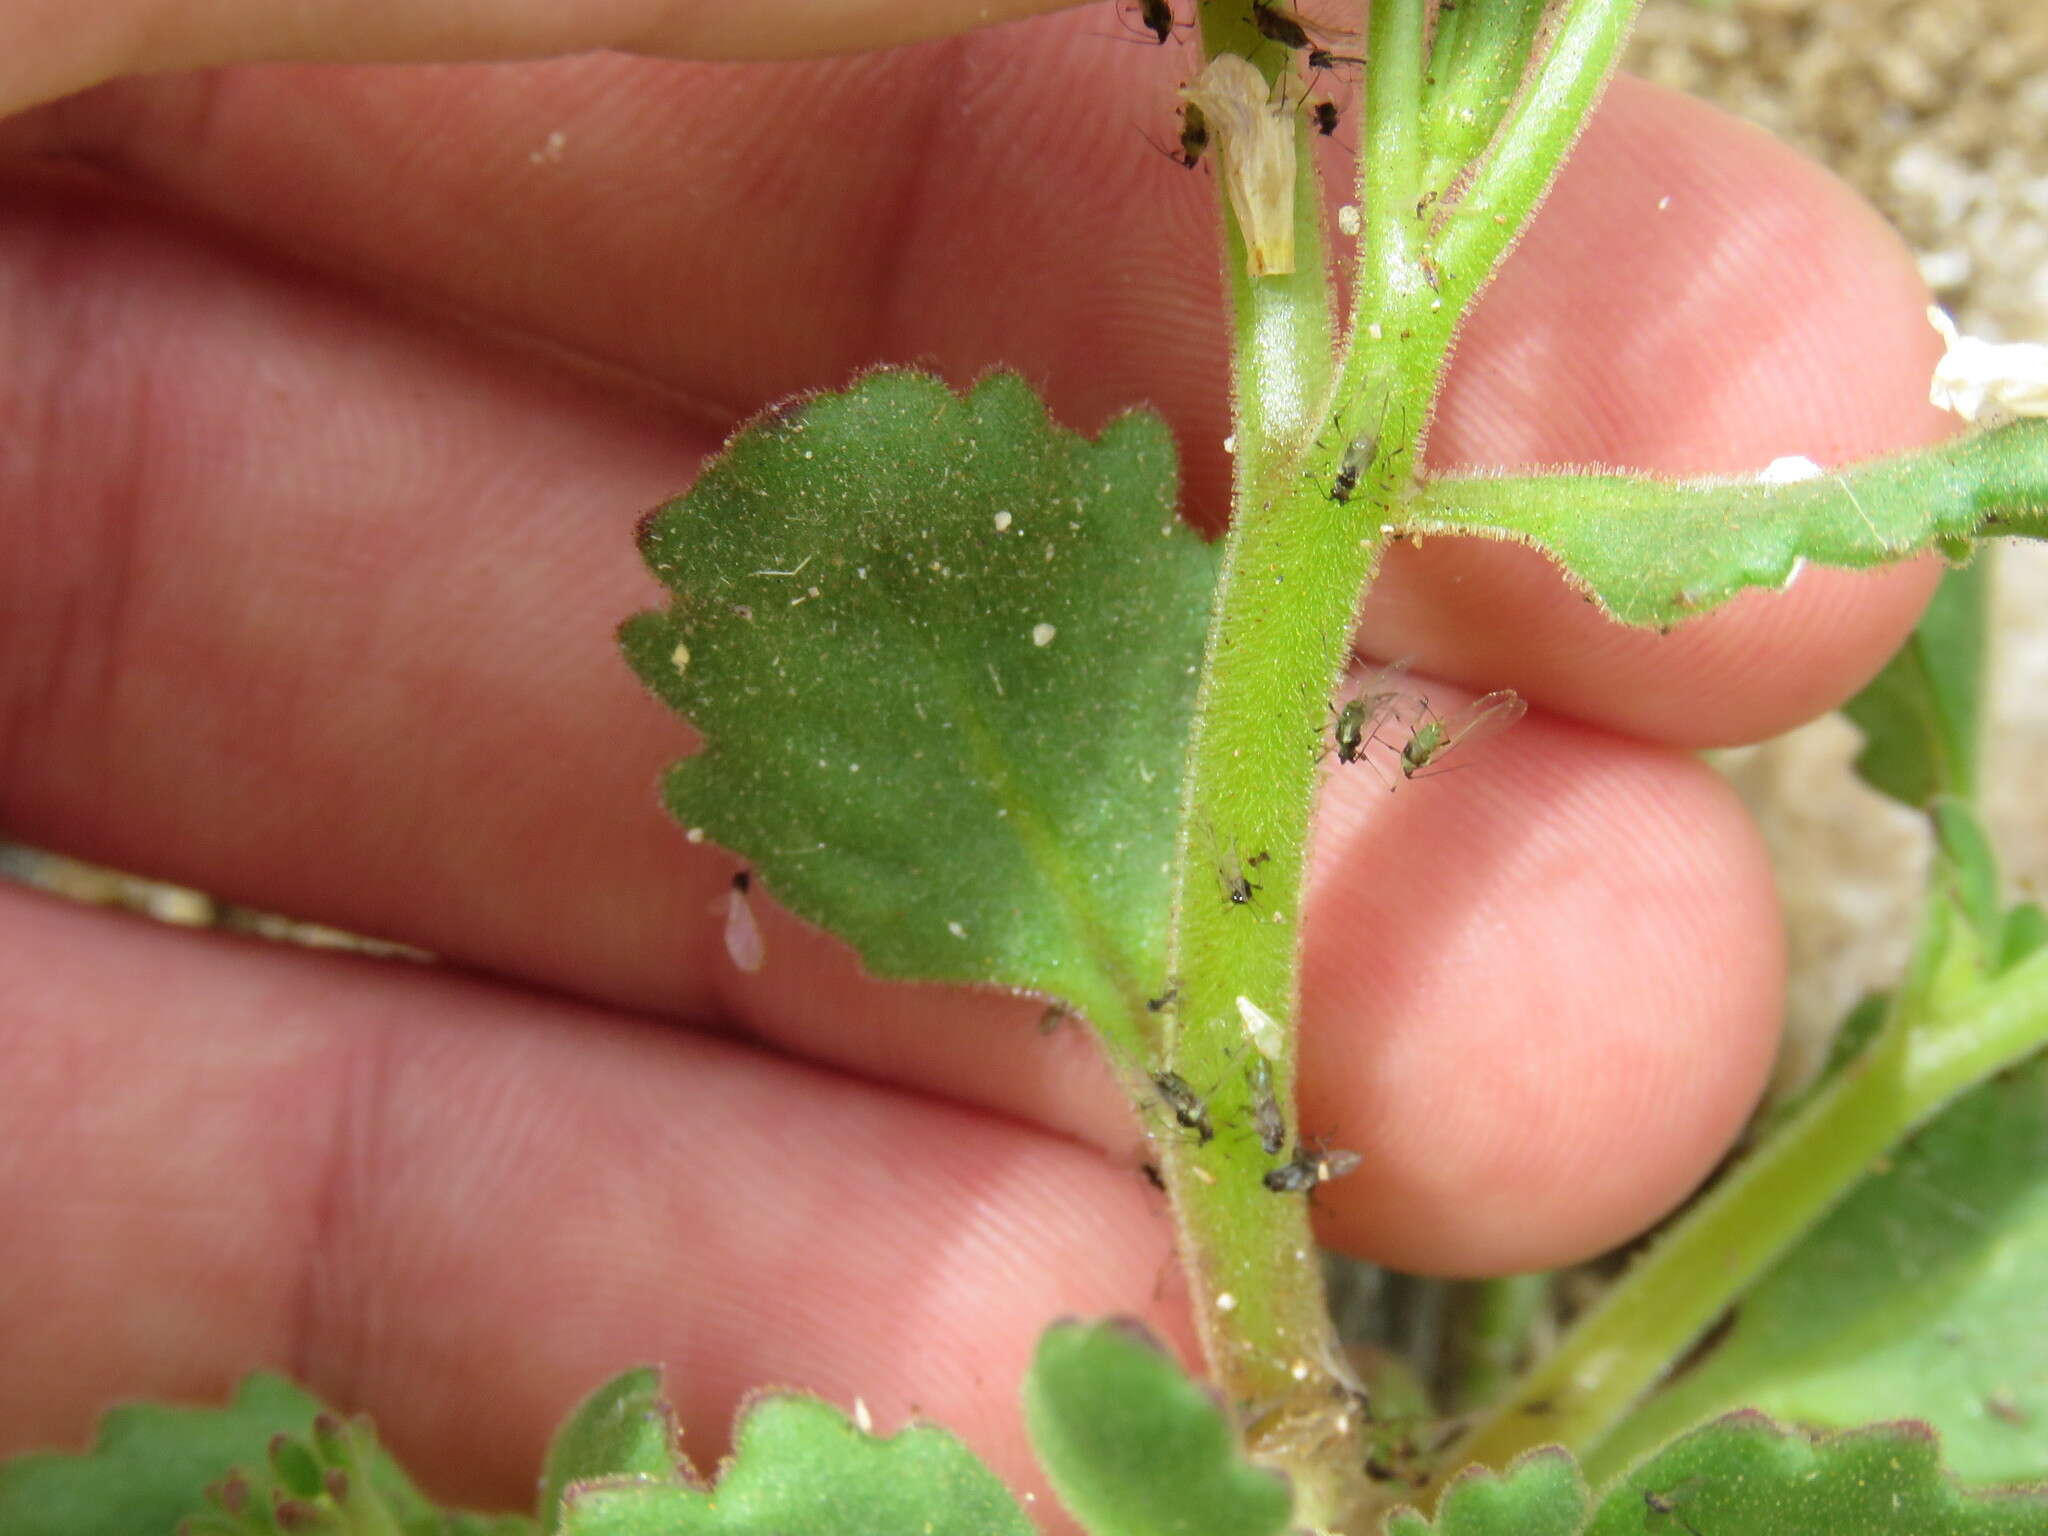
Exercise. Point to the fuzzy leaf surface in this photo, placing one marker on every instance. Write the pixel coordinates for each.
(943, 655)
(1542, 1494)
(1745, 1476)
(1135, 1447)
(625, 1428)
(1657, 552)
(1921, 1297)
(151, 1464)
(800, 1467)
(1919, 715)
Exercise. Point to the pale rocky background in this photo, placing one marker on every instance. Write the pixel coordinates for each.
(1937, 110)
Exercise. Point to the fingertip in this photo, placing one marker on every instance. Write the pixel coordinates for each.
(1696, 299)
(1550, 1020)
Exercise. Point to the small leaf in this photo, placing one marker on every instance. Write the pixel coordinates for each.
(1658, 552)
(1919, 715)
(1743, 1474)
(800, 1468)
(1542, 1494)
(943, 656)
(1134, 1447)
(151, 1466)
(625, 1428)
(2025, 930)
(1920, 1296)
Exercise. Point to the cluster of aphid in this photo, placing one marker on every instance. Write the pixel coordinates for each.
(1276, 25)
(1300, 1174)
(1431, 736)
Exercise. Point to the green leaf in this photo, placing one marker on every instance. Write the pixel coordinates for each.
(1657, 552)
(625, 1428)
(800, 1468)
(1542, 1494)
(1745, 1476)
(1134, 1447)
(151, 1466)
(2025, 930)
(943, 656)
(1919, 1297)
(1919, 715)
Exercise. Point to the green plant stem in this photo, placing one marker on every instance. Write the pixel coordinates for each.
(1936, 1045)
(1580, 45)
(1300, 555)
(1492, 1321)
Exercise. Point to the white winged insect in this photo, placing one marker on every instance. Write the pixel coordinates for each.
(1434, 738)
(742, 933)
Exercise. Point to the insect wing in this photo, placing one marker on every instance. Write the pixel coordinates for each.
(1485, 717)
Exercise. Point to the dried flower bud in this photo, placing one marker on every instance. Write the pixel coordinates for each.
(1253, 132)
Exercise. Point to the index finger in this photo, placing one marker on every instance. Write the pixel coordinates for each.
(58, 48)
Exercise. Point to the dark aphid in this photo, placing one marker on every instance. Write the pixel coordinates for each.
(1266, 1114)
(1157, 16)
(1308, 1168)
(1324, 115)
(1194, 135)
(1350, 730)
(1357, 455)
(1277, 26)
(1322, 58)
(1187, 1105)
(1152, 1177)
(1159, 1004)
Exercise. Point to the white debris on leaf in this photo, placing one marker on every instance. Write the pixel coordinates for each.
(1987, 381)
(1042, 635)
(1789, 470)
(1254, 137)
(1347, 220)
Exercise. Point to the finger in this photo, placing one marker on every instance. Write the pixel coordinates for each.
(56, 50)
(1706, 303)
(389, 699)
(1541, 1000)
(1678, 337)
(397, 1183)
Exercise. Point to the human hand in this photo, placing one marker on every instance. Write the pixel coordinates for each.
(333, 393)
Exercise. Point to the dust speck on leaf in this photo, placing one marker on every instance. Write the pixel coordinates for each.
(1041, 634)
(680, 656)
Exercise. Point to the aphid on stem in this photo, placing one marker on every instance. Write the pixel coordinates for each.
(1189, 1107)
(1266, 1115)
(1307, 1169)
(1238, 888)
